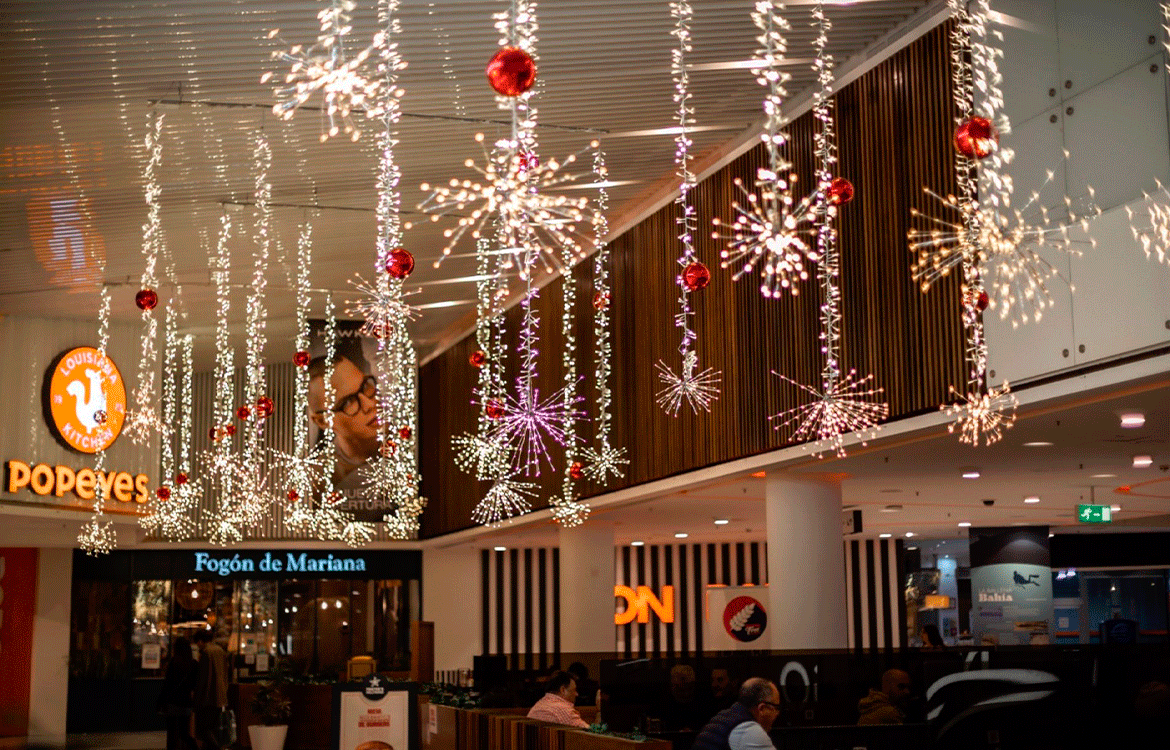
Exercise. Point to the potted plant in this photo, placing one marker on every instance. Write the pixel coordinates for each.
(272, 708)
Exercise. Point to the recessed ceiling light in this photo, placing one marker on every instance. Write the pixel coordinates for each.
(721, 521)
(911, 549)
(971, 473)
(1038, 444)
(500, 549)
(1032, 499)
(891, 509)
(1050, 535)
(964, 524)
(636, 544)
(1142, 462)
(1114, 508)
(909, 534)
(1103, 476)
(1133, 420)
(885, 536)
(681, 535)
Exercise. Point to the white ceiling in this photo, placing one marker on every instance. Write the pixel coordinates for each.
(77, 81)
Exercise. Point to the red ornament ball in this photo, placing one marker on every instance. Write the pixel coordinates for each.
(229, 430)
(301, 359)
(600, 300)
(264, 407)
(243, 413)
(405, 433)
(181, 478)
(511, 71)
(576, 470)
(983, 301)
(840, 191)
(100, 416)
(976, 138)
(293, 496)
(696, 276)
(400, 264)
(528, 161)
(494, 408)
(146, 299)
(163, 493)
(478, 358)
(389, 448)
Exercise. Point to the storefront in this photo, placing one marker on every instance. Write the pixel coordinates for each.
(314, 608)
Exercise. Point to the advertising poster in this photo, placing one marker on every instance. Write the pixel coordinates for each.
(18, 600)
(355, 426)
(375, 714)
(737, 618)
(1011, 586)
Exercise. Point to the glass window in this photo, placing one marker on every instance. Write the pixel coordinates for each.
(297, 622)
(150, 620)
(101, 637)
(255, 640)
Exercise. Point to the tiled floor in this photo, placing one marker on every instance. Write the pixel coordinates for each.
(120, 741)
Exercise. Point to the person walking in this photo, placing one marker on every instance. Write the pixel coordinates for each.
(176, 700)
(211, 688)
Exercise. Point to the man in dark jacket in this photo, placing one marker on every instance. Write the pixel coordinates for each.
(211, 688)
(746, 724)
(885, 706)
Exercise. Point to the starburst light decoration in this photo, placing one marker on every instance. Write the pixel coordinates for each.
(507, 497)
(771, 229)
(347, 83)
(1154, 232)
(981, 225)
(691, 385)
(144, 420)
(844, 403)
(97, 535)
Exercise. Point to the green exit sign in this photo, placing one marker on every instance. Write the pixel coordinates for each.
(1094, 514)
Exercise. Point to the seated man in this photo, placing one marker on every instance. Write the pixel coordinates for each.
(746, 724)
(885, 706)
(556, 706)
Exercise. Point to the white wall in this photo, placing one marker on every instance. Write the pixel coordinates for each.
(451, 597)
(1084, 76)
(50, 649)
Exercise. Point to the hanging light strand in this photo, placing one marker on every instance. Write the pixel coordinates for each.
(697, 388)
(97, 536)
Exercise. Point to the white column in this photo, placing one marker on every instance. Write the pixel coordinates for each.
(451, 598)
(806, 564)
(50, 646)
(587, 580)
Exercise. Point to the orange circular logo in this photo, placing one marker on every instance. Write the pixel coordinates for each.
(86, 399)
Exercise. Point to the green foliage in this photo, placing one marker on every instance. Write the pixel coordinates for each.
(270, 704)
(448, 695)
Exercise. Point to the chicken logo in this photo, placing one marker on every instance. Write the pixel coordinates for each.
(85, 400)
(744, 619)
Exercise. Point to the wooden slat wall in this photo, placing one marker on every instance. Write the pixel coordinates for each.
(895, 126)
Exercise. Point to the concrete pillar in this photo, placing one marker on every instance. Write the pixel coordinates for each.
(451, 596)
(806, 564)
(587, 580)
(50, 647)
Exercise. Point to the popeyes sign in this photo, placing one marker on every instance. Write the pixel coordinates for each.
(85, 399)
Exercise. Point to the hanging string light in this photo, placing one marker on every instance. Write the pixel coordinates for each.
(697, 388)
(771, 229)
(1154, 232)
(346, 82)
(144, 418)
(843, 403)
(606, 458)
(97, 536)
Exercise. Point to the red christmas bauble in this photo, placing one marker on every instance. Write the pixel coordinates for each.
(264, 407)
(840, 191)
(528, 161)
(181, 478)
(146, 299)
(243, 412)
(478, 358)
(494, 408)
(696, 276)
(983, 301)
(404, 433)
(576, 470)
(163, 493)
(293, 496)
(511, 71)
(100, 416)
(301, 359)
(400, 264)
(389, 448)
(976, 138)
(600, 300)
(229, 430)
